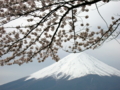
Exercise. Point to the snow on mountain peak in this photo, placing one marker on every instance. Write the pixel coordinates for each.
(75, 66)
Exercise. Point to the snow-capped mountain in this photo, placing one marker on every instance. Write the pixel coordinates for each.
(74, 72)
(75, 66)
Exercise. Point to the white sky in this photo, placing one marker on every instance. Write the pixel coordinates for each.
(109, 52)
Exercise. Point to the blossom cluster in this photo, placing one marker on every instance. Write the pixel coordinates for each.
(51, 24)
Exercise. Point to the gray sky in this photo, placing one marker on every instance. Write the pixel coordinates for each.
(108, 53)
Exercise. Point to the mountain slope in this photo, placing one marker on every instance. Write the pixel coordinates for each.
(88, 82)
(75, 66)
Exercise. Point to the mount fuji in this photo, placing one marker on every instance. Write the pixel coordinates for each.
(74, 72)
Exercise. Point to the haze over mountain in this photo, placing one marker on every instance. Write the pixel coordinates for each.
(74, 72)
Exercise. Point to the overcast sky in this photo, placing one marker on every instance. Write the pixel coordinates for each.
(108, 53)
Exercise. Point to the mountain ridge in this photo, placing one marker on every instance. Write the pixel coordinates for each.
(75, 66)
(74, 72)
